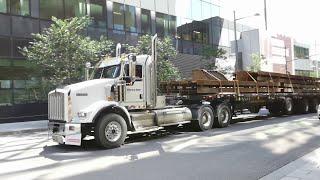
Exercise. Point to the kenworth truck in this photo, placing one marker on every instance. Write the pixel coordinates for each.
(124, 97)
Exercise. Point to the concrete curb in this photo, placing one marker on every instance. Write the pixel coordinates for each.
(23, 131)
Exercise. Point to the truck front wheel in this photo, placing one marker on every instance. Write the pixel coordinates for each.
(111, 131)
(223, 116)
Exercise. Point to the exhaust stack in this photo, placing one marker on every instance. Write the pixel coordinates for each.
(154, 79)
(118, 50)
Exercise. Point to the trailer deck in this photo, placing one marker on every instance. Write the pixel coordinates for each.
(246, 83)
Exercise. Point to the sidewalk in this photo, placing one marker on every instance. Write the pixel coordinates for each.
(304, 168)
(20, 127)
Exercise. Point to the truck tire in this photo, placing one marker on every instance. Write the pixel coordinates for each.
(205, 118)
(288, 106)
(304, 106)
(275, 108)
(111, 131)
(223, 116)
(313, 105)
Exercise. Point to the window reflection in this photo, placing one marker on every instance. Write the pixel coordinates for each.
(97, 10)
(130, 18)
(75, 8)
(206, 10)
(20, 7)
(145, 21)
(5, 47)
(3, 6)
(215, 11)
(172, 25)
(196, 10)
(161, 24)
(19, 43)
(118, 16)
(49, 8)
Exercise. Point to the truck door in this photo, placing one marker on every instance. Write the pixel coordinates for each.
(134, 97)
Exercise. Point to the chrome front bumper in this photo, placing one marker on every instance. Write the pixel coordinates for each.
(65, 133)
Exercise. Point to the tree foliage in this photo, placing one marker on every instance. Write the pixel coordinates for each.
(256, 63)
(210, 56)
(61, 50)
(165, 49)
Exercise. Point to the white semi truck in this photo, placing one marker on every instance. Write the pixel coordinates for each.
(124, 97)
(121, 98)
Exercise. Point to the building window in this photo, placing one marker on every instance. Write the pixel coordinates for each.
(5, 96)
(23, 27)
(5, 92)
(49, 8)
(5, 84)
(20, 7)
(206, 10)
(130, 18)
(145, 21)
(215, 11)
(97, 10)
(5, 47)
(161, 24)
(3, 6)
(196, 10)
(118, 16)
(172, 25)
(301, 52)
(17, 44)
(75, 8)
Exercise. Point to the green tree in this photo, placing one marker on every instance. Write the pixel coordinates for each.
(166, 51)
(210, 55)
(60, 52)
(256, 63)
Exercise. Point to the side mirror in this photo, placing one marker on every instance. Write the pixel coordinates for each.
(132, 57)
(129, 80)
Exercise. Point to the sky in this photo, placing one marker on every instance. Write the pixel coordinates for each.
(295, 18)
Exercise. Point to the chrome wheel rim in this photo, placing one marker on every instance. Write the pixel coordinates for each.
(307, 108)
(113, 131)
(206, 119)
(224, 116)
(289, 106)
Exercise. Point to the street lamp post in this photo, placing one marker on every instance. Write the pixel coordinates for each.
(285, 58)
(238, 64)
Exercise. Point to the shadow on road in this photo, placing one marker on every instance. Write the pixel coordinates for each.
(154, 139)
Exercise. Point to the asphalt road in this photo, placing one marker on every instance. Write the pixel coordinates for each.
(245, 150)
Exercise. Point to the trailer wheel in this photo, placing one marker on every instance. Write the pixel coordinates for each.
(314, 105)
(275, 108)
(111, 131)
(223, 116)
(305, 106)
(205, 119)
(288, 106)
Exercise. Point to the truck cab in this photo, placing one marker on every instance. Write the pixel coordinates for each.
(120, 98)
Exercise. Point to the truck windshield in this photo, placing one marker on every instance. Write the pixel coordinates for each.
(107, 72)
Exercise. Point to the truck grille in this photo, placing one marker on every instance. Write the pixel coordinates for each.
(56, 106)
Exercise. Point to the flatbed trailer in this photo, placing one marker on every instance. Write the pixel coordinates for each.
(124, 98)
(280, 93)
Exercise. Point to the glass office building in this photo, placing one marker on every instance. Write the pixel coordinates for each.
(190, 23)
